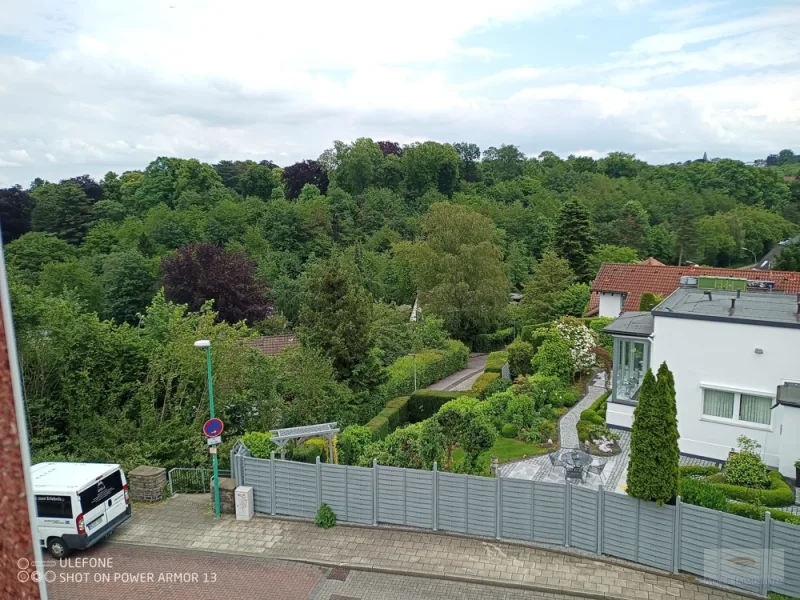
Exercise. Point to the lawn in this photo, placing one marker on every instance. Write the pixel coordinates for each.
(504, 449)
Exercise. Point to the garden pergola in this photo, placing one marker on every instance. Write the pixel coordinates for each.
(327, 430)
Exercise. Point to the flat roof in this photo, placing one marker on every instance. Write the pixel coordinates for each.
(638, 324)
(770, 309)
(66, 476)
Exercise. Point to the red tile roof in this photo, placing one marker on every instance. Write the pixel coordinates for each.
(653, 262)
(270, 345)
(636, 278)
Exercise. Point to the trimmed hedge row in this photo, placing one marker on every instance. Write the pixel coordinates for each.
(393, 415)
(482, 382)
(495, 361)
(592, 417)
(753, 511)
(697, 471)
(778, 494)
(426, 403)
(488, 342)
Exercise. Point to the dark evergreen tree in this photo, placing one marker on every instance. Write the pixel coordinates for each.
(654, 458)
(15, 212)
(574, 239)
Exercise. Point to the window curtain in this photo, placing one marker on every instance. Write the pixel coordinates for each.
(755, 409)
(718, 404)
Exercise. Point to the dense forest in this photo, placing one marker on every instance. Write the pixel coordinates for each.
(113, 280)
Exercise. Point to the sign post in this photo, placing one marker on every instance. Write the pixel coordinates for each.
(213, 427)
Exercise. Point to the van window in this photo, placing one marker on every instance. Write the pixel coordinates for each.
(101, 491)
(54, 507)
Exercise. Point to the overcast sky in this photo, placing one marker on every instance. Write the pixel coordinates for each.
(88, 86)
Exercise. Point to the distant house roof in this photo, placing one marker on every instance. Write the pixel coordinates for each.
(270, 345)
(633, 279)
(653, 262)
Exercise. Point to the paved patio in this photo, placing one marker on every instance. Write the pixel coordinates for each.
(186, 521)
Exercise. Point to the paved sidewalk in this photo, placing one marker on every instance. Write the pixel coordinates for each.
(475, 366)
(186, 521)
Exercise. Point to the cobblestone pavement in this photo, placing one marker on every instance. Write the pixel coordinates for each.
(140, 572)
(187, 522)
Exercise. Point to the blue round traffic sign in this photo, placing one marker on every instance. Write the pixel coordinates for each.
(213, 427)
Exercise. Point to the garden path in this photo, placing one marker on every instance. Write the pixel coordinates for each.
(457, 381)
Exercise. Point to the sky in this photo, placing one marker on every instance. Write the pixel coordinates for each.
(88, 86)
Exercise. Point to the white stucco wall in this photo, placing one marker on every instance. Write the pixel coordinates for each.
(610, 304)
(722, 355)
(619, 415)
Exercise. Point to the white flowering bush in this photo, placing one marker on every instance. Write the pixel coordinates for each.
(581, 340)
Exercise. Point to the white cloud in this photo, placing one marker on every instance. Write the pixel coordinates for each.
(506, 76)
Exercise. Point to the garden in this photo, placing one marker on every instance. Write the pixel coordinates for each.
(462, 431)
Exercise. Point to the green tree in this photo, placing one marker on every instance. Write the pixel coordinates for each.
(128, 284)
(63, 210)
(75, 277)
(520, 354)
(503, 163)
(574, 239)
(259, 180)
(653, 467)
(336, 317)
(32, 251)
(358, 165)
(789, 258)
(458, 270)
(573, 301)
(608, 253)
(543, 291)
(430, 166)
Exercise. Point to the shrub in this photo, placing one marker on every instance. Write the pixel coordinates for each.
(482, 384)
(519, 358)
(698, 471)
(754, 511)
(259, 444)
(597, 324)
(326, 518)
(745, 468)
(581, 340)
(352, 442)
(554, 358)
(779, 492)
(394, 415)
(540, 336)
(544, 389)
(520, 410)
(592, 417)
(509, 430)
(488, 342)
(423, 404)
(495, 361)
(309, 450)
(527, 331)
(702, 493)
(497, 385)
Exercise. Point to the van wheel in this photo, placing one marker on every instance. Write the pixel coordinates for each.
(58, 549)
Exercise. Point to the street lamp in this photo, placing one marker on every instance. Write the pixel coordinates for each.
(755, 258)
(207, 345)
(415, 370)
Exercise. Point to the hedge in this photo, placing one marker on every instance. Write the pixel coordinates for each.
(482, 383)
(488, 342)
(593, 416)
(778, 494)
(526, 333)
(495, 361)
(393, 415)
(597, 324)
(426, 403)
(432, 365)
(697, 471)
(309, 450)
(753, 511)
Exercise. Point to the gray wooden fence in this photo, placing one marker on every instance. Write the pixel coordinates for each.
(752, 555)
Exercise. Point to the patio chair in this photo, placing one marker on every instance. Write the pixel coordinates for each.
(597, 469)
(555, 460)
(574, 473)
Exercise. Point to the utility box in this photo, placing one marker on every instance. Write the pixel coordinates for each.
(244, 503)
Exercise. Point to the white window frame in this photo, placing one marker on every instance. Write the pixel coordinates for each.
(737, 400)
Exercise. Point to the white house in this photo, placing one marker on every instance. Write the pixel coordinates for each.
(736, 361)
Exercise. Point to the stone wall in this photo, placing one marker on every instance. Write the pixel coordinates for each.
(147, 484)
(227, 495)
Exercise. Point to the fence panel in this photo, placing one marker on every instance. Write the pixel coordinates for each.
(255, 473)
(419, 498)
(481, 505)
(701, 529)
(656, 535)
(784, 572)
(620, 525)
(583, 518)
(452, 502)
(742, 552)
(359, 495)
(391, 495)
(296, 489)
(516, 514)
(548, 513)
(334, 489)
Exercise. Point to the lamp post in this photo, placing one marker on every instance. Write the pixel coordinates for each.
(414, 356)
(207, 345)
(755, 258)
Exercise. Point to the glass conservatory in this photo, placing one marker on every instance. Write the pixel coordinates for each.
(631, 360)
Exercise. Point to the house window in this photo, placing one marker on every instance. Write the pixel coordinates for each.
(737, 406)
(631, 359)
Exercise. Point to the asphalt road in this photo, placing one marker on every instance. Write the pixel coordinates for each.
(118, 570)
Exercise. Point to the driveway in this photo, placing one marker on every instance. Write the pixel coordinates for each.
(462, 380)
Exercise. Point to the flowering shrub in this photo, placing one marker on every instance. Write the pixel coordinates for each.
(581, 340)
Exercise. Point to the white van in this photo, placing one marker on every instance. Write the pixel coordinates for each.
(78, 504)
